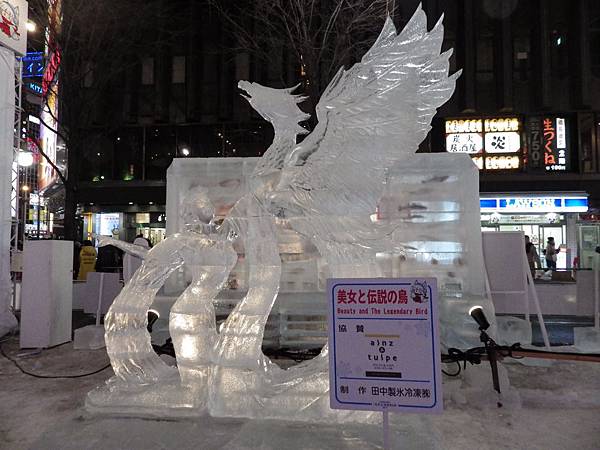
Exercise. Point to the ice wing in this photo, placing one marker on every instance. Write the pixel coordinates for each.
(370, 117)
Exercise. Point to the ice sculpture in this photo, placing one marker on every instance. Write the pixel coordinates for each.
(371, 120)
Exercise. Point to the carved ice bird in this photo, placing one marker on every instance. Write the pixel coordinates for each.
(370, 117)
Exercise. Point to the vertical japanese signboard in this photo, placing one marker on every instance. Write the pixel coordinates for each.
(384, 346)
(50, 88)
(549, 144)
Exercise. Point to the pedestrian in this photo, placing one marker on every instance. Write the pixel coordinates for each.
(76, 259)
(533, 257)
(87, 257)
(109, 259)
(551, 252)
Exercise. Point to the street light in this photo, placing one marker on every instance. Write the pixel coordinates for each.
(31, 27)
(185, 151)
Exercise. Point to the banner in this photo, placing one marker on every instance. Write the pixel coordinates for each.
(13, 25)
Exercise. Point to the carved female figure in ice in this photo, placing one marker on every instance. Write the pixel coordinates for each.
(208, 258)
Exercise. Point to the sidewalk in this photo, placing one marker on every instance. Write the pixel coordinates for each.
(560, 409)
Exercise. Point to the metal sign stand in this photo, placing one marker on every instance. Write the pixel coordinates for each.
(100, 292)
(597, 292)
(386, 430)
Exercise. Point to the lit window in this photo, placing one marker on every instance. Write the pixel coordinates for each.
(148, 71)
(178, 76)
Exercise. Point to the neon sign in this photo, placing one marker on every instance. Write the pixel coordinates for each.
(51, 71)
(549, 143)
(35, 88)
(33, 65)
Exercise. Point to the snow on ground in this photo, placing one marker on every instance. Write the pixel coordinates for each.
(547, 407)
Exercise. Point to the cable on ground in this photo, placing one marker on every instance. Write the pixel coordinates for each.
(35, 375)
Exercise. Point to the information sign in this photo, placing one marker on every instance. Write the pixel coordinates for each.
(384, 347)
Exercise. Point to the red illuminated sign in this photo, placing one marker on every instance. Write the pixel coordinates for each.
(549, 137)
(51, 71)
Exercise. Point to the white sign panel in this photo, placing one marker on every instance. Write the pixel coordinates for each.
(503, 142)
(561, 135)
(384, 346)
(107, 223)
(13, 25)
(464, 143)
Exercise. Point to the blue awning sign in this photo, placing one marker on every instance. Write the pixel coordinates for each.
(535, 204)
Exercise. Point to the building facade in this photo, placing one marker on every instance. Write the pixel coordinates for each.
(527, 108)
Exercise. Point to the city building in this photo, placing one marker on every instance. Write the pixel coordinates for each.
(526, 108)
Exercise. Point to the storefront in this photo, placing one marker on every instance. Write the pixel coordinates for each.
(39, 222)
(540, 216)
(125, 225)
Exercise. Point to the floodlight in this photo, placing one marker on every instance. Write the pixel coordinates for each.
(25, 159)
(476, 312)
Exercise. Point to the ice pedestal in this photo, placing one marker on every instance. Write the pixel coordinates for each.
(166, 398)
(476, 389)
(89, 337)
(587, 339)
(513, 330)
(300, 393)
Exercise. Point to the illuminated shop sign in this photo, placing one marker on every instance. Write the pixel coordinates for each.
(51, 71)
(534, 204)
(34, 87)
(33, 65)
(493, 143)
(549, 144)
(107, 224)
(496, 218)
(464, 143)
